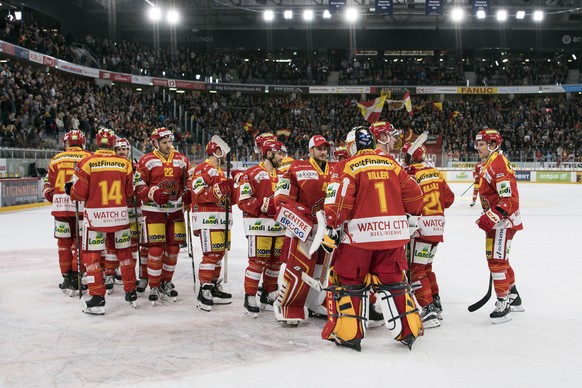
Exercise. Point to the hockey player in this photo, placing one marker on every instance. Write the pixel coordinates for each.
(60, 171)
(105, 182)
(340, 153)
(385, 135)
(372, 195)
(477, 179)
(302, 190)
(265, 236)
(161, 182)
(210, 191)
(500, 221)
(423, 244)
(140, 252)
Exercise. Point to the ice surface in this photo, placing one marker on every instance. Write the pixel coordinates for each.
(45, 340)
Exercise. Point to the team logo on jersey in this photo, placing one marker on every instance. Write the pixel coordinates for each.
(283, 187)
(307, 175)
(245, 191)
(171, 187)
(504, 189)
(198, 185)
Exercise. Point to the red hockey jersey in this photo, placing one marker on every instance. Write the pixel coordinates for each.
(306, 183)
(437, 197)
(498, 189)
(208, 211)
(61, 170)
(372, 193)
(255, 184)
(105, 182)
(169, 174)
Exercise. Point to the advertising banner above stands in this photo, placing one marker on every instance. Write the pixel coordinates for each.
(236, 88)
(77, 69)
(191, 85)
(116, 77)
(286, 89)
(141, 80)
(339, 89)
(573, 88)
(491, 89)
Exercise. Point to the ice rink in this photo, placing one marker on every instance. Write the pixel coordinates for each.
(45, 339)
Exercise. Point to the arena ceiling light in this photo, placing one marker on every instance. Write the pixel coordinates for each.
(308, 15)
(268, 15)
(155, 14)
(352, 14)
(538, 16)
(501, 15)
(326, 14)
(520, 15)
(457, 14)
(481, 14)
(173, 16)
(288, 14)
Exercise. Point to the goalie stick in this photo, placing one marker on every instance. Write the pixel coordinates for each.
(480, 303)
(417, 143)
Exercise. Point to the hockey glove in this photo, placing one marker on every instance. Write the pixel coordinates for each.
(48, 194)
(268, 206)
(330, 240)
(488, 220)
(223, 189)
(413, 228)
(68, 186)
(187, 198)
(159, 196)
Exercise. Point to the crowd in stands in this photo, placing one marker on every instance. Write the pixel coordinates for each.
(37, 107)
(398, 71)
(244, 67)
(518, 72)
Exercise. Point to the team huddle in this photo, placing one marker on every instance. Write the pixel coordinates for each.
(356, 237)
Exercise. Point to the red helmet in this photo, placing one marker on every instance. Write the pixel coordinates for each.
(273, 146)
(160, 133)
(212, 148)
(489, 135)
(105, 138)
(341, 152)
(74, 138)
(383, 128)
(121, 142)
(417, 156)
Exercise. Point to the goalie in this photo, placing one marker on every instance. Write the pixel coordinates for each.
(371, 194)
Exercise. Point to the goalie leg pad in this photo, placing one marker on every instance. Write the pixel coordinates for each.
(347, 305)
(316, 299)
(401, 315)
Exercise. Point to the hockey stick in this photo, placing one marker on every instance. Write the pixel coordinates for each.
(468, 188)
(417, 143)
(318, 237)
(480, 303)
(78, 243)
(188, 220)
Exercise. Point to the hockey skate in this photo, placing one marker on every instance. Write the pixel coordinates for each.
(375, 318)
(352, 344)
(67, 285)
(501, 314)
(408, 341)
(168, 291)
(267, 299)
(154, 295)
(117, 277)
(515, 301)
(436, 301)
(205, 298)
(429, 316)
(142, 284)
(218, 294)
(131, 297)
(472, 204)
(251, 308)
(95, 305)
(74, 290)
(109, 283)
